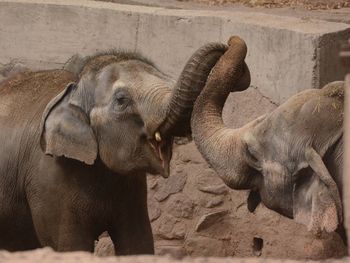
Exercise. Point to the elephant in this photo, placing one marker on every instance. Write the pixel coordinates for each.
(76, 148)
(289, 159)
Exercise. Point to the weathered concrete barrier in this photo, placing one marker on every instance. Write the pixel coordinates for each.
(286, 54)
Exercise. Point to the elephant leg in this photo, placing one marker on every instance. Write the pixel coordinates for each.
(132, 238)
(73, 238)
(63, 231)
(131, 230)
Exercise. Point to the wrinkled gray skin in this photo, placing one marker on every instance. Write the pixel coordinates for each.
(291, 158)
(74, 157)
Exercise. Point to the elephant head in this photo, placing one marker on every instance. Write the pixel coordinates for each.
(125, 112)
(279, 155)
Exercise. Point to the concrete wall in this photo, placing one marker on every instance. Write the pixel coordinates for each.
(286, 54)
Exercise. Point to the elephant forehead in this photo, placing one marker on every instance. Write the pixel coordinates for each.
(137, 79)
(273, 169)
(141, 82)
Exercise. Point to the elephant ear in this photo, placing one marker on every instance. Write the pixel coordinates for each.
(65, 130)
(316, 198)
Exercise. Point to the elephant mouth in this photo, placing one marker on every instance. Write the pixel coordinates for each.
(162, 150)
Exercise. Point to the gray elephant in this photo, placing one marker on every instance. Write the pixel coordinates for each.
(75, 149)
(290, 159)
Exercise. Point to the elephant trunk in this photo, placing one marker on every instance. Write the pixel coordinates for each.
(220, 145)
(187, 89)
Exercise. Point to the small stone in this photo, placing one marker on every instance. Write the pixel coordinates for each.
(152, 184)
(214, 189)
(182, 140)
(104, 247)
(174, 184)
(209, 219)
(206, 177)
(214, 201)
(168, 227)
(179, 169)
(189, 154)
(154, 211)
(181, 206)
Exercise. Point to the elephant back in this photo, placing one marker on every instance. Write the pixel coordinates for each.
(29, 92)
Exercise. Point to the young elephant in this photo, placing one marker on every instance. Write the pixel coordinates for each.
(75, 151)
(291, 158)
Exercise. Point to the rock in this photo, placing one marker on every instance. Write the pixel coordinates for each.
(177, 252)
(209, 219)
(206, 177)
(174, 184)
(169, 227)
(104, 247)
(179, 169)
(212, 201)
(180, 206)
(214, 189)
(182, 140)
(189, 153)
(154, 211)
(152, 183)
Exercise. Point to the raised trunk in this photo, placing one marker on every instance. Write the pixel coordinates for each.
(216, 142)
(188, 87)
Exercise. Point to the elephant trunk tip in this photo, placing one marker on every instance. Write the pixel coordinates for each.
(235, 40)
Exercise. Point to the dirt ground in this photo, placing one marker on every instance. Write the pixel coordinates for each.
(308, 4)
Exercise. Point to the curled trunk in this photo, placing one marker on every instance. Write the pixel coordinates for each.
(188, 87)
(216, 142)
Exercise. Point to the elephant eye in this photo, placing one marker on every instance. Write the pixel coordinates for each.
(121, 99)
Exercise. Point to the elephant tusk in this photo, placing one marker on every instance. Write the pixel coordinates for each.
(157, 136)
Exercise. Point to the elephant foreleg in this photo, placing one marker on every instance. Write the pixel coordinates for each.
(132, 238)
